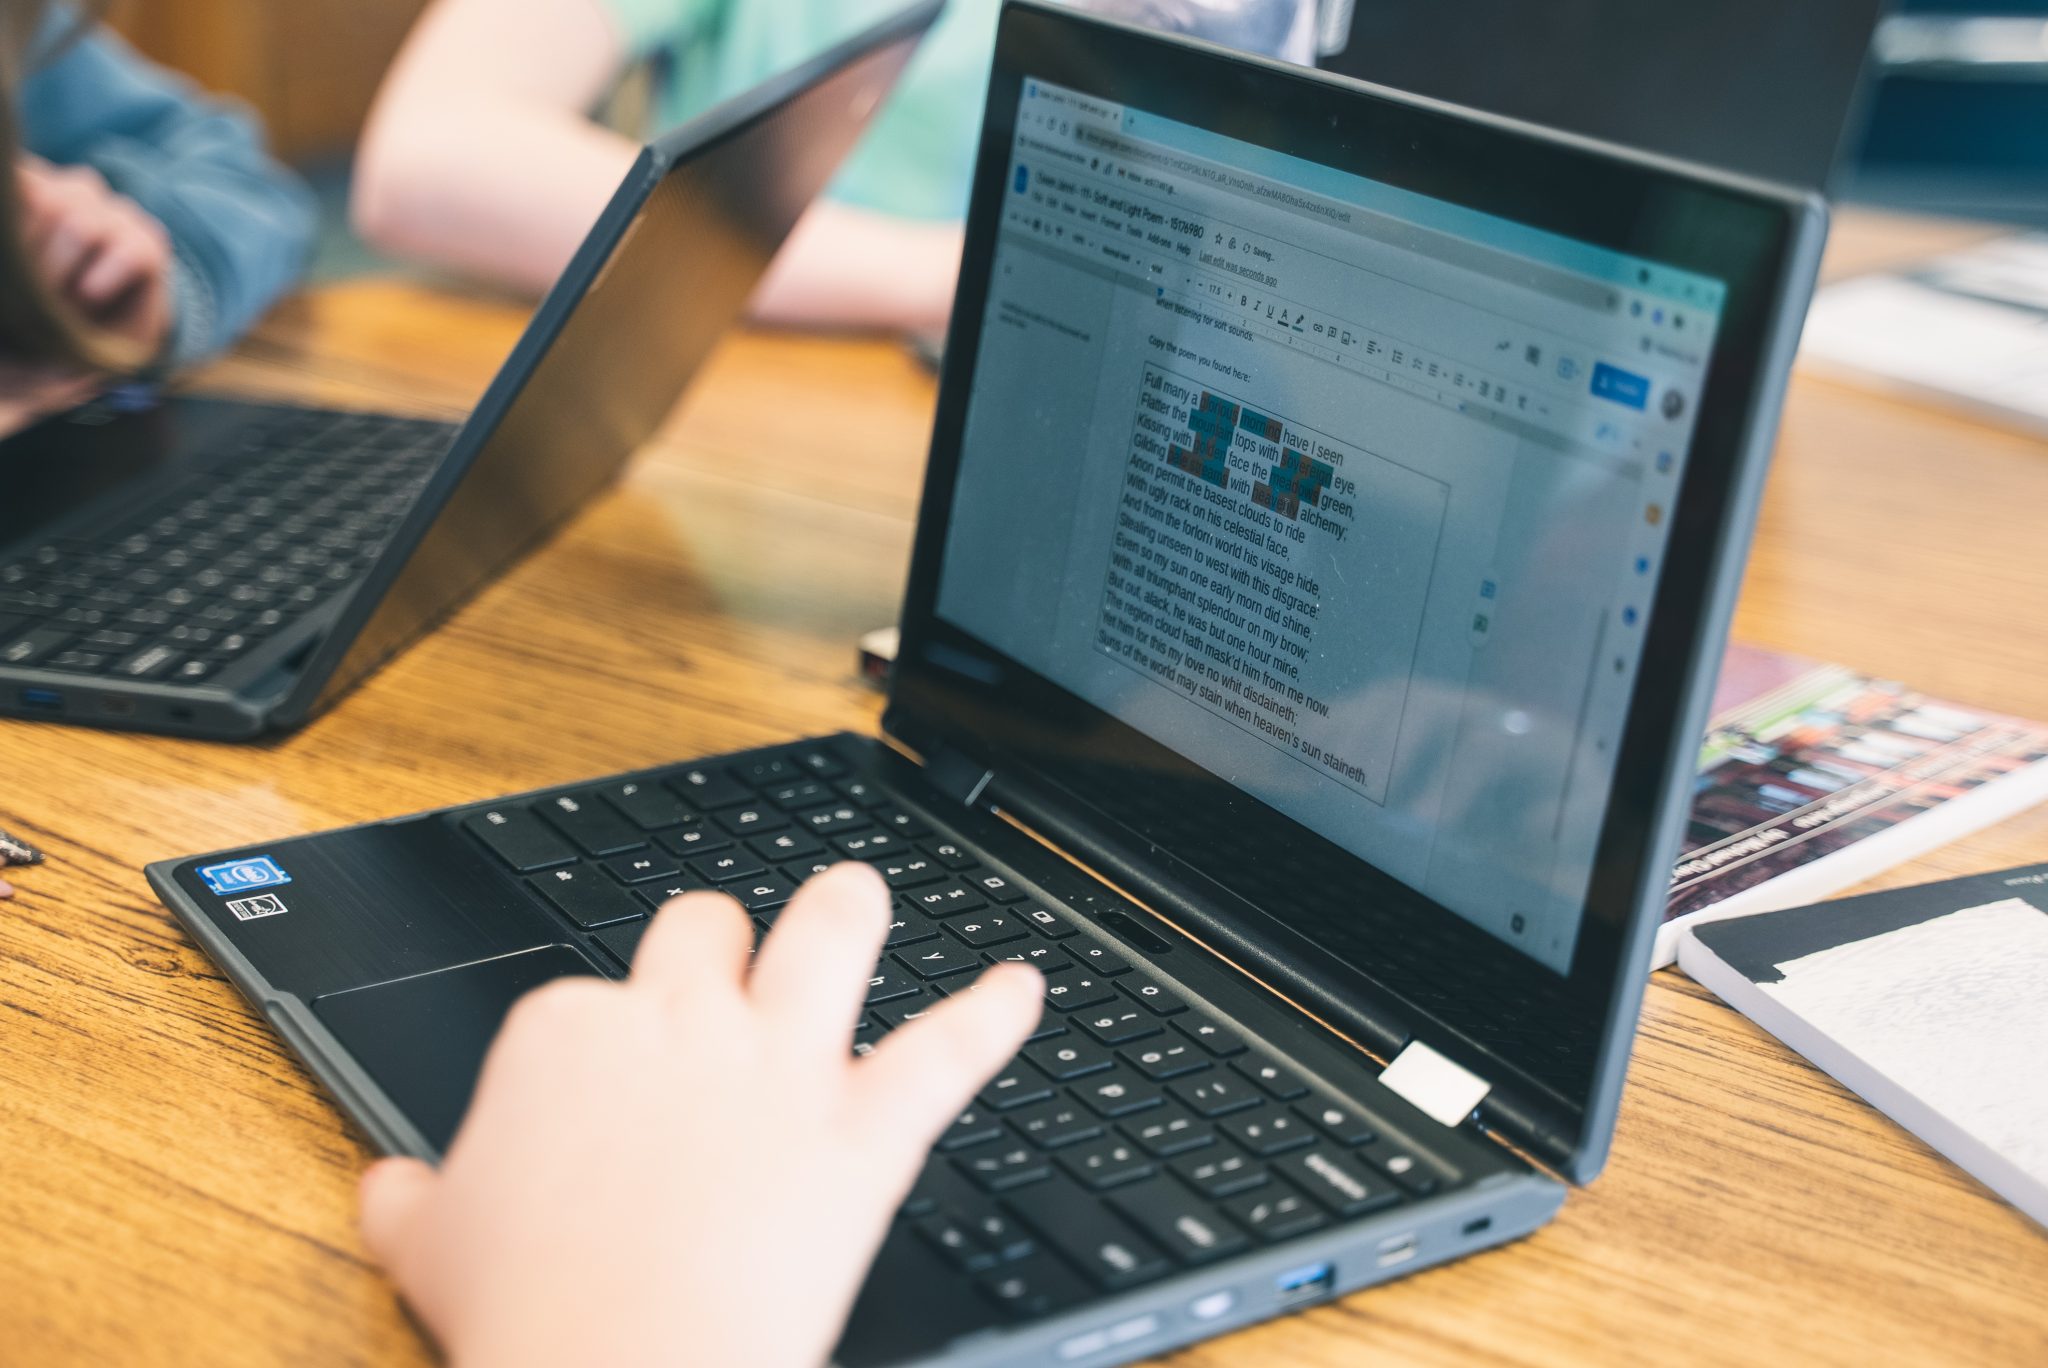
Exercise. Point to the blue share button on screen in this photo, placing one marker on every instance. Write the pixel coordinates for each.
(1623, 387)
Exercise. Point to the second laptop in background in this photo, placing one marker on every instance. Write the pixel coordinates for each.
(222, 569)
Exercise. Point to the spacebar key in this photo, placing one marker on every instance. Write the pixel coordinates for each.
(1091, 1236)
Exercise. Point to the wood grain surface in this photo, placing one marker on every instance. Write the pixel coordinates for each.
(309, 68)
(174, 1189)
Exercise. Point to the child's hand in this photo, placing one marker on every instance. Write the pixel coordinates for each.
(691, 1167)
(99, 249)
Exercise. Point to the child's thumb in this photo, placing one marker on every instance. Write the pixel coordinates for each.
(393, 1193)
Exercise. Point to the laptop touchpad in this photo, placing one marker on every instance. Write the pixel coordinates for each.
(423, 1038)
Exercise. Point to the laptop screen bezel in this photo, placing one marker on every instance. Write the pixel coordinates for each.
(1041, 738)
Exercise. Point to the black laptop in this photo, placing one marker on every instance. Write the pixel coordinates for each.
(1333, 516)
(1759, 86)
(216, 568)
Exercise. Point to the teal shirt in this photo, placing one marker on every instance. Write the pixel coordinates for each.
(918, 155)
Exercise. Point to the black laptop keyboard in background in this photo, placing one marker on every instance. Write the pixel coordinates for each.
(1134, 1136)
(224, 560)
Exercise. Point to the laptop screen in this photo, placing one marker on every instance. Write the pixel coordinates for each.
(1352, 497)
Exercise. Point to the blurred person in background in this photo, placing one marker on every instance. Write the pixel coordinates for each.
(481, 154)
(143, 227)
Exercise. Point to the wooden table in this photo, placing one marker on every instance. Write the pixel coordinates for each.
(174, 1189)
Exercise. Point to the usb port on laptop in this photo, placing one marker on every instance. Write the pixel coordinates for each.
(1307, 1283)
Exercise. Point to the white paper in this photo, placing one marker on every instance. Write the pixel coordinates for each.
(1954, 1011)
(2013, 269)
(1984, 356)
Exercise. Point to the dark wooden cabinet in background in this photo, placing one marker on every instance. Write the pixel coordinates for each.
(309, 67)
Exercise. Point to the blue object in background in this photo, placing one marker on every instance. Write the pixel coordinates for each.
(1958, 120)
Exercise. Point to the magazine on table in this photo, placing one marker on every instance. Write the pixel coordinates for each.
(1813, 778)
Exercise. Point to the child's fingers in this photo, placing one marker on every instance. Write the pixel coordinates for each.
(924, 1074)
(812, 972)
(699, 941)
(44, 197)
(72, 241)
(38, 216)
(393, 1194)
(86, 215)
(119, 268)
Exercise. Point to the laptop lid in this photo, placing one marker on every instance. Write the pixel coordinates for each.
(1335, 508)
(1757, 86)
(666, 270)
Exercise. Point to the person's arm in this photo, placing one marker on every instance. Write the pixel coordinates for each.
(848, 267)
(239, 225)
(481, 156)
(690, 1167)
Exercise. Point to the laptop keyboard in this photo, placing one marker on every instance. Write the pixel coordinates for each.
(223, 560)
(1134, 1136)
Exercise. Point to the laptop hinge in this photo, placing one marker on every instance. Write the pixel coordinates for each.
(1442, 1089)
(959, 777)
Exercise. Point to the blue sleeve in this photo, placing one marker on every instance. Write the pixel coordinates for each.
(239, 223)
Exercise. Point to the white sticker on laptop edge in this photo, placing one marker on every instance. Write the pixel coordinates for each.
(1442, 1089)
(263, 905)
